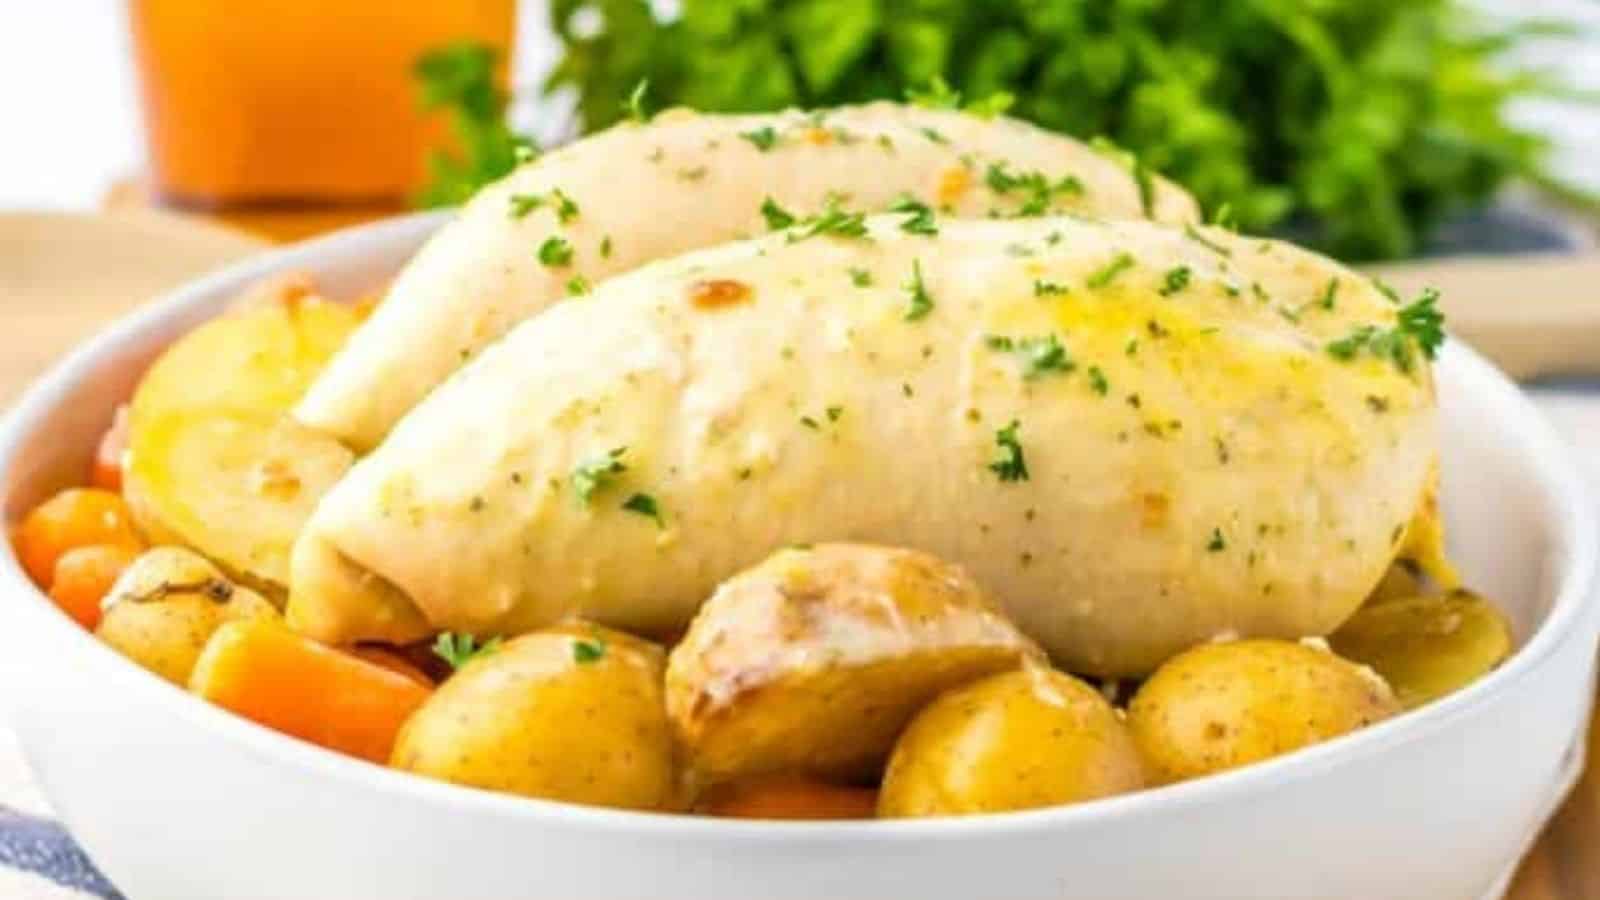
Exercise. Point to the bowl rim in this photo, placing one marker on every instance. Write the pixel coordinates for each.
(1569, 618)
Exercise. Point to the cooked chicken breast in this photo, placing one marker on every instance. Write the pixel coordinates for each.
(637, 193)
(1136, 436)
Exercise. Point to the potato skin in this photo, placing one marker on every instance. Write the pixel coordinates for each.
(165, 606)
(542, 716)
(1220, 706)
(1426, 647)
(1017, 740)
(813, 661)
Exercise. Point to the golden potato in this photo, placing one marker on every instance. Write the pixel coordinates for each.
(211, 462)
(1426, 647)
(1219, 706)
(236, 489)
(812, 661)
(165, 606)
(571, 713)
(1017, 740)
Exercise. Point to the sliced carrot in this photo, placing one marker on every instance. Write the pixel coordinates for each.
(83, 577)
(76, 517)
(106, 472)
(394, 662)
(794, 798)
(261, 670)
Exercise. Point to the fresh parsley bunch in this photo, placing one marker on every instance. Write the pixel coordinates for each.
(1355, 124)
(460, 78)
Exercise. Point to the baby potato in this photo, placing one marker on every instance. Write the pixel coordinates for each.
(211, 462)
(1426, 647)
(813, 661)
(1017, 740)
(1219, 706)
(165, 606)
(570, 713)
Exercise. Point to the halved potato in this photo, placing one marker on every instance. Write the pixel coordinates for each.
(812, 661)
(236, 489)
(165, 606)
(570, 713)
(1426, 647)
(1220, 706)
(1017, 740)
(213, 463)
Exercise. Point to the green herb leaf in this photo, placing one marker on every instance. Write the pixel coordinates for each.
(1218, 543)
(1175, 280)
(594, 474)
(777, 217)
(1098, 382)
(555, 252)
(1419, 327)
(1194, 234)
(833, 220)
(996, 104)
(459, 80)
(921, 303)
(645, 505)
(522, 204)
(566, 209)
(577, 286)
(460, 649)
(1108, 273)
(860, 277)
(585, 652)
(1009, 462)
(1329, 294)
(1043, 288)
(763, 138)
(920, 219)
(937, 95)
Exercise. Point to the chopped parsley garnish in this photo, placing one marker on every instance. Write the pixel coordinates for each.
(1039, 355)
(1043, 288)
(460, 649)
(860, 277)
(555, 252)
(1218, 543)
(919, 216)
(920, 302)
(1098, 382)
(635, 106)
(1419, 327)
(1009, 462)
(764, 138)
(810, 423)
(586, 652)
(522, 204)
(1224, 217)
(577, 286)
(1329, 294)
(777, 217)
(566, 209)
(1175, 280)
(834, 220)
(1040, 190)
(605, 247)
(1119, 264)
(1194, 234)
(645, 505)
(592, 475)
(834, 412)
(934, 136)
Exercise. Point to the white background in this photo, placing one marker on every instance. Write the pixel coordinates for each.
(69, 122)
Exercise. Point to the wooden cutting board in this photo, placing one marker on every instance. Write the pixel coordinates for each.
(64, 276)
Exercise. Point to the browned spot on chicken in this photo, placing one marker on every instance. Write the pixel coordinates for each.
(718, 293)
(1154, 509)
(953, 182)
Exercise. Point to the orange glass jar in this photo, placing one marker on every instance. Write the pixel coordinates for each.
(279, 102)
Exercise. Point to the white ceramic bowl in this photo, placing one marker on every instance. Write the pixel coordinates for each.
(180, 801)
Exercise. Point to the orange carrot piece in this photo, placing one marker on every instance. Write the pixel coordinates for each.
(262, 671)
(76, 517)
(394, 662)
(83, 577)
(794, 798)
(106, 472)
